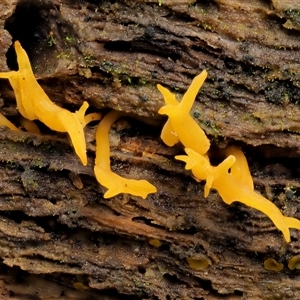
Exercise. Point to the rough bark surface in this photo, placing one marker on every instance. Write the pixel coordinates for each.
(60, 239)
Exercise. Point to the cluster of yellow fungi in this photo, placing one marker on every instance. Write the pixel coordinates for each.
(272, 265)
(231, 178)
(34, 104)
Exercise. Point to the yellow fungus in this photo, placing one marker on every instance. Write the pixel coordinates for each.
(294, 262)
(231, 190)
(203, 170)
(30, 126)
(240, 170)
(33, 103)
(198, 264)
(5, 122)
(182, 125)
(80, 286)
(155, 243)
(272, 265)
(168, 135)
(291, 222)
(113, 182)
(92, 117)
(231, 178)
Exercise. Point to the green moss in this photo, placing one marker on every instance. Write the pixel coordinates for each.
(143, 81)
(69, 39)
(39, 164)
(107, 66)
(211, 125)
(207, 27)
(89, 59)
(51, 41)
(63, 54)
(281, 92)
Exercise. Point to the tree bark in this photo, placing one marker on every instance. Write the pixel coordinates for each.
(60, 239)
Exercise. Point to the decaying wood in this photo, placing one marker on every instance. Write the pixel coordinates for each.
(60, 239)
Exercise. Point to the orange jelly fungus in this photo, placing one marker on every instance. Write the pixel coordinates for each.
(240, 169)
(30, 126)
(113, 182)
(180, 123)
(231, 178)
(33, 104)
(5, 122)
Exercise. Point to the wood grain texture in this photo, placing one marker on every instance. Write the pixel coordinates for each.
(61, 239)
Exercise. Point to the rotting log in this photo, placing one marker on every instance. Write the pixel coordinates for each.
(61, 239)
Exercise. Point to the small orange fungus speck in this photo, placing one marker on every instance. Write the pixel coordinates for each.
(272, 265)
(80, 286)
(198, 264)
(294, 262)
(155, 242)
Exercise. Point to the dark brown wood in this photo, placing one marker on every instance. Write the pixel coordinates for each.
(60, 239)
